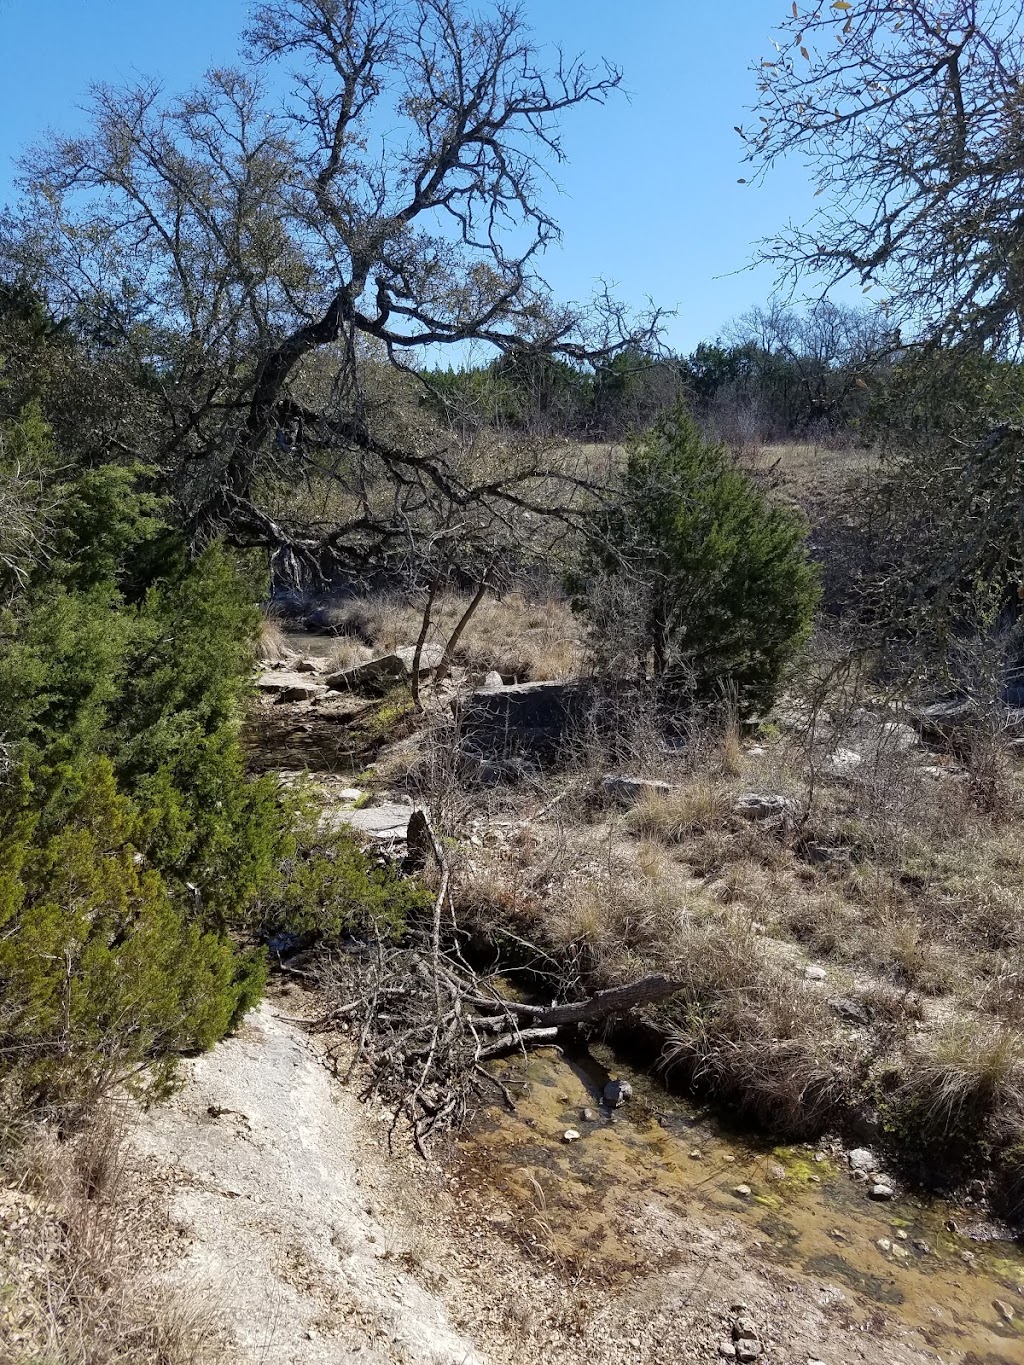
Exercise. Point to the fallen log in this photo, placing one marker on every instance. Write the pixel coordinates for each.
(616, 1000)
(513, 1042)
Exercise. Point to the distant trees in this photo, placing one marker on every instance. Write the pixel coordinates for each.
(778, 374)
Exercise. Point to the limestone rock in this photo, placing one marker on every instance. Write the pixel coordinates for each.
(617, 1092)
(765, 806)
(862, 1159)
(851, 1009)
(627, 791)
(288, 686)
(386, 671)
(529, 719)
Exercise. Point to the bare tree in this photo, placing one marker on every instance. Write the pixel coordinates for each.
(910, 114)
(262, 256)
(830, 351)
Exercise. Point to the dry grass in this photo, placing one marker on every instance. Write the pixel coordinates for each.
(805, 471)
(749, 1031)
(702, 804)
(968, 1076)
(523, 640)
(347, 653)
(272, 645)
(73, 1293)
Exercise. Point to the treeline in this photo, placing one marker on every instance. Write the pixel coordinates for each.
(777, 375)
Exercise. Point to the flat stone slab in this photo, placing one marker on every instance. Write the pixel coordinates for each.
(386, 671)
(389, 820)
(287, 686)
(629, 790)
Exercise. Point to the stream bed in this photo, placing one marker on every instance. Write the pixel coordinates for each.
(942, 1272)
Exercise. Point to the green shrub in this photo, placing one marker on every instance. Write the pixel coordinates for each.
(331, 889)
(106, 976)
(131, 838)
(695, 573)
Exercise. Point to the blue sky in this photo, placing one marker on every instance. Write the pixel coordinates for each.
(649, 201)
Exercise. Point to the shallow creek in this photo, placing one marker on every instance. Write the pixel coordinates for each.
(804, 1212)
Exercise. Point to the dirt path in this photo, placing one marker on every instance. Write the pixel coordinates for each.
(274, 1203)
(317, 1247)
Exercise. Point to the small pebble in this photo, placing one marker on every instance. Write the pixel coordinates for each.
(729, 1159)
(968, 1257)
(922, 1246)
(814, 1179)
(748, 1350)
(815, 973)
(1003, 1309)
(588, 1116)
(570, 1135)
(901, 1234)
(726, 1350)
(884, 1245)
(744, 1329)
(882, 1192)
(742, 1191)
(696, 1155)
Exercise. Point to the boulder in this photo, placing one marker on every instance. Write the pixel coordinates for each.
(851, 1009)
(627, 791)
(944, 722)
(843, 762)
(493, 680)
(862, 1159)
(386, 671)
(531, 719)
(498, 772)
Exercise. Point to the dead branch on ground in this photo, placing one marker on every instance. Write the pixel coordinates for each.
(427, 1022)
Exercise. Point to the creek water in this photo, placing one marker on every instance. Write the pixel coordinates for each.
(309, 646)
(804, 1211)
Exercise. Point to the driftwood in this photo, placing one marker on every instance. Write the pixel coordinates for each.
(427, 1022)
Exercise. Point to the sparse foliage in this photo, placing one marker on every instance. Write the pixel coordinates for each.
(908, 114)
